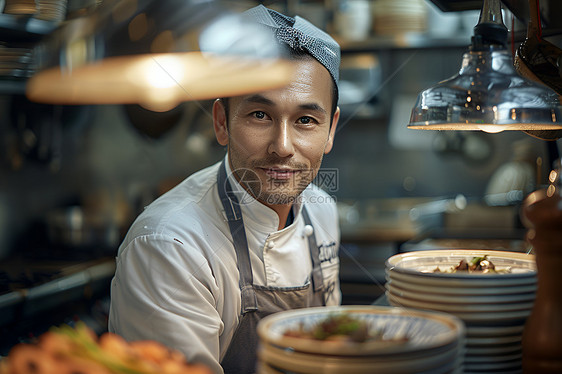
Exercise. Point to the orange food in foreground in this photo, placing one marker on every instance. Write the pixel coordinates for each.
(67, 350)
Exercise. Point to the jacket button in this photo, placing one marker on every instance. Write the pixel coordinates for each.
(308, 230)
(271, 244)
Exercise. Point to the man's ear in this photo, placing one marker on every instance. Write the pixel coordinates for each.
(330, 142)
(219, 122)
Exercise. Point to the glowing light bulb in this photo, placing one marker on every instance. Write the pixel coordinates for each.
(164, 72)
(492, 129)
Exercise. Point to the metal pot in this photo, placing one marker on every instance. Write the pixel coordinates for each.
(75, 227)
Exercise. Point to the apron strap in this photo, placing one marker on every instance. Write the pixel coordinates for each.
(236, 224)
(317, 277)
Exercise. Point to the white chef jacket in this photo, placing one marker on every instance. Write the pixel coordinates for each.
(177, 280)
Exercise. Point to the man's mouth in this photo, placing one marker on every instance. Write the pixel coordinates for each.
(279, 173)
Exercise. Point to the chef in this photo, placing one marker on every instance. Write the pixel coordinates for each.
(250, 235)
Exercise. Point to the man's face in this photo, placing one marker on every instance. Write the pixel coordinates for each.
(276, 139)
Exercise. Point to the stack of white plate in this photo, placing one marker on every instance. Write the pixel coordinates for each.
(392, 17)
(494, 306)
(15, 62)
(435, 343)
(51, 10)
(24, 7)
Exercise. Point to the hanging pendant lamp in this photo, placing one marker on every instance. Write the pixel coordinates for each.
(487, 94)
(157, 54)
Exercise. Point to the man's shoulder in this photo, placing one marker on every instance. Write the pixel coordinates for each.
(195, 186)
(185, 211)
(192, 189)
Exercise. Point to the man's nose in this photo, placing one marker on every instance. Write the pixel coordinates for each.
(282, 140)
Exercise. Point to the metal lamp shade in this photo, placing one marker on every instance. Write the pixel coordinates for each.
(487, 94)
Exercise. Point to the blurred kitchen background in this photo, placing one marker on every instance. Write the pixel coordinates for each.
(72, 178)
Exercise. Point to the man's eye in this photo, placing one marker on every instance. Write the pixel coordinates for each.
(305, 120)
(259, 115)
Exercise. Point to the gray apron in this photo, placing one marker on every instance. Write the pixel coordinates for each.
(260, 301)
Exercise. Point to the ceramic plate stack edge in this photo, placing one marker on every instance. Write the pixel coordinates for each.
(51, 10)
(19, 7)
(15, 63)
(494, 306)
(391, 17)
(435, 342)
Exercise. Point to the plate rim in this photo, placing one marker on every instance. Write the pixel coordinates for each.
(461, 299)
(475, 316)
(391, 263)
(451, 287)
(465, 308)
(456, 331)
(504, 284)
(446, 358)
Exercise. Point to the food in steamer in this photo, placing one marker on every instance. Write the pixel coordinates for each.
(68, 350)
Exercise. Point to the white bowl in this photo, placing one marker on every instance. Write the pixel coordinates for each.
(425, 330)
(458, 307)
(481, 331)
(467, 315)
(443, 361)
(457, 287)
(491, 367)
(459, 298)
(497, 350)
(496, 358)
(422, 263)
